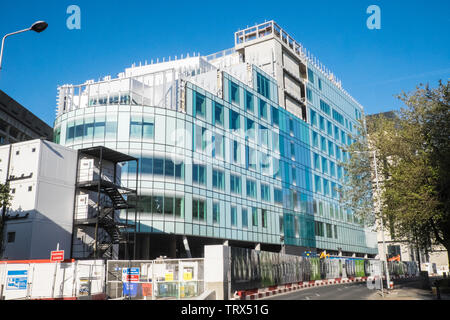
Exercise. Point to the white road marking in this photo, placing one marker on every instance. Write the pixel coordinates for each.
(317, 294)
(307, 298)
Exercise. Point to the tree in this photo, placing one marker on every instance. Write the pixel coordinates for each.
(358, 189)
(5, 202)
(413, 154)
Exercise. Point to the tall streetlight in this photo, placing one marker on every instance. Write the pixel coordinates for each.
(381, 218)
(38, 27)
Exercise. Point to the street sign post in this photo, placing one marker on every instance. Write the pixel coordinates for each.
(56, 256)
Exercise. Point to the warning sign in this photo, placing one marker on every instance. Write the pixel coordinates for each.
(169, 276)
(130, 275)
(187, 276)
(57, 256)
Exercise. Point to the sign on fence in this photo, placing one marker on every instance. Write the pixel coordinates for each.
(130, 275)
(17, 280)
(57, 256)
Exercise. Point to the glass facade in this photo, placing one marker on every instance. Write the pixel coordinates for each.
(236, 167)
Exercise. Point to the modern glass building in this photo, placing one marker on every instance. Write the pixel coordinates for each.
(242, 146)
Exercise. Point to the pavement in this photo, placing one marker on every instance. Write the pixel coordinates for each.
(406, 290)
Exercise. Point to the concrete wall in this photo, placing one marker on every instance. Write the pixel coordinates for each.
(217, 272)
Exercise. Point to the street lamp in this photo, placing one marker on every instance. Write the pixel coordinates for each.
(38, 27)
(381, 218)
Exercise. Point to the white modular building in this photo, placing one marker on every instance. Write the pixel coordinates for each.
(41, 176)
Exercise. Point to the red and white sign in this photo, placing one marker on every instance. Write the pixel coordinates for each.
(56, 256)
(130, 275)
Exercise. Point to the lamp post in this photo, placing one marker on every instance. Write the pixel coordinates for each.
(381, 222)
(381, 219)
(38, 27)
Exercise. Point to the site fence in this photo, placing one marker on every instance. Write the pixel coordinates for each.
(258, 269)
(155, 279)
(52, 280)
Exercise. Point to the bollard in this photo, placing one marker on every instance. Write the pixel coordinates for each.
(438, 292)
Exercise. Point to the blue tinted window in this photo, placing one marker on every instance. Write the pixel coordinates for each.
(251, 188)
(278, 195)
(234, 92)
(332, 169)
(313, 117)
(309, 95)
(249, 101)
(218, 114)
(275, 117)
(265, 192)
(199, 174)
(322, 123)
(235, 184)
(323, 144)
(216, 212)
(330, 148)
(318, 183)
(262, 109)
(244, 218)
(233, 216)
(316, 161)
(324, 165)
(218, 179)
(251, 131)
(263, 85)
(315, 139)
(254, 216)
(234, 120)
(310, 75)
(329, 128)
(200, 105)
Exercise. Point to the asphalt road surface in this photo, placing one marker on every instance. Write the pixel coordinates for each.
(351, 291)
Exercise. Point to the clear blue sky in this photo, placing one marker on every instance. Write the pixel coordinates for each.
(412, 47)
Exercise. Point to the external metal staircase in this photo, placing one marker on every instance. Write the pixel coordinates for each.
(103, 224)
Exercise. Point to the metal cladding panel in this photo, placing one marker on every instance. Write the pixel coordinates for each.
(57, 163)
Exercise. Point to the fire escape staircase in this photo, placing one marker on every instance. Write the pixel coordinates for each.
(114, 230)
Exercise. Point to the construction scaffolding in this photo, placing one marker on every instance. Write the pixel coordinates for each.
(98, 232)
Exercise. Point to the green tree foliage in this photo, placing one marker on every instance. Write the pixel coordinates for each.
(5, 202)
(413, 156)
(357, 192)
(5, 197)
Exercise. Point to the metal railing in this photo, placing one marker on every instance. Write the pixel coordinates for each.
(160, 279)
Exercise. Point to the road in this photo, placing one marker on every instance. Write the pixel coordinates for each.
(351, 291)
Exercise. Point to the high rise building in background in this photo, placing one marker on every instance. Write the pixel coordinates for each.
(242, 146)
(18, 124)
